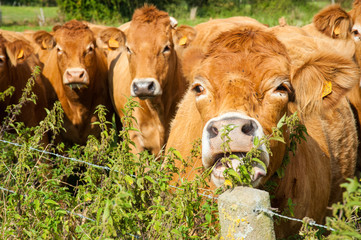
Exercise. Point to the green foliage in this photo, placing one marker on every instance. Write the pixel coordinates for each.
(346, 217)
(132, 195)
(110, 10)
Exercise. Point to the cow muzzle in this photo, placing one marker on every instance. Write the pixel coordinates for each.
(242, 136)
(145, 88)
(76, 78)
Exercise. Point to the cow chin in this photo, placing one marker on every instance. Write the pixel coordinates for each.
(242, 141)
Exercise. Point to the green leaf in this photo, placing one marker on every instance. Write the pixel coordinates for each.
(51, 202)
(281, 122)
(255, 141)
(278, 138)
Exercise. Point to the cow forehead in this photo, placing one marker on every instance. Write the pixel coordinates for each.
(236, 70)
(74, 39)
(149, 33)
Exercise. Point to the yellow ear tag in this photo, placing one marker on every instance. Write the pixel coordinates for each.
(43, 44)
(327, 88)
(21, 54)
(182, 41)
(113, 43)
(336, 31)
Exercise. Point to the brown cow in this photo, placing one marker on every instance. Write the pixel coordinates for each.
(246, 77)
(334, 25)
(77, 70)
(149, 69)
(17, 63)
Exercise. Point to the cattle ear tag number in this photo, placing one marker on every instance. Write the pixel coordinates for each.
(182, 41)
(336, 31)
(327, 88)
(21, 54)
(113, 43)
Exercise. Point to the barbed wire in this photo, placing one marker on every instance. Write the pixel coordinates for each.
(267, 211)
(311, 222)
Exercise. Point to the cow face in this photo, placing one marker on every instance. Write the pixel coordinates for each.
(12, 54)
(75, 47)
(151, 42)
(243, 80)
(356, 18)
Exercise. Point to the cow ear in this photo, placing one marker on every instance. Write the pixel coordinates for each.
(183, 36)
(322, 80)
(18, 51)
(111, 39)
(334, 22)
(192, 58)
(44, 39)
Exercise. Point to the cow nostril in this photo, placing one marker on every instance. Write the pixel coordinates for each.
(135, 87)
(68, 75)
(249, 128)
(81, 75)
(355, 31)
(151, 87)
(212, 130)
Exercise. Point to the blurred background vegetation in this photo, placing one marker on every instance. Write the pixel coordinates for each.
(22, 14)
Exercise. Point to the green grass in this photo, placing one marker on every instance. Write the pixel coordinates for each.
(23, 18)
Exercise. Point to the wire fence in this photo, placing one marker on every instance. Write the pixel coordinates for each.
(266, 211)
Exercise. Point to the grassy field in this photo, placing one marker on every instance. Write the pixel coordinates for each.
(23, 18)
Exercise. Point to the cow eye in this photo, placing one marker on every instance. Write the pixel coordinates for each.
(129, 51)
(90, 49)
(198, 89)
(60, 51)
(284, 87)
(166, 49)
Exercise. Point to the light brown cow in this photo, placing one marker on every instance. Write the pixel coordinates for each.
(334, 25)
(17, 63)
(77, 70)
(149, 70)
(248, 78)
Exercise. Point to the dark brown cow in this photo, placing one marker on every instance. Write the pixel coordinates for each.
(77, 70)
(149, 70)
(248, 78)
(17, 63)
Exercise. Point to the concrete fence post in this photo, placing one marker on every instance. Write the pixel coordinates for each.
(239, 217)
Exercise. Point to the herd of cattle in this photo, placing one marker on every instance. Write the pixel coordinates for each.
(192, 81)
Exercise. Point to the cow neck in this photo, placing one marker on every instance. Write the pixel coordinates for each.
(165, 104)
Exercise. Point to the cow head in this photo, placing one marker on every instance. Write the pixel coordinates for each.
(76, 53)
(245, 79)
(152, 41)
(242, 80)
(334, 22)
(13, 54)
